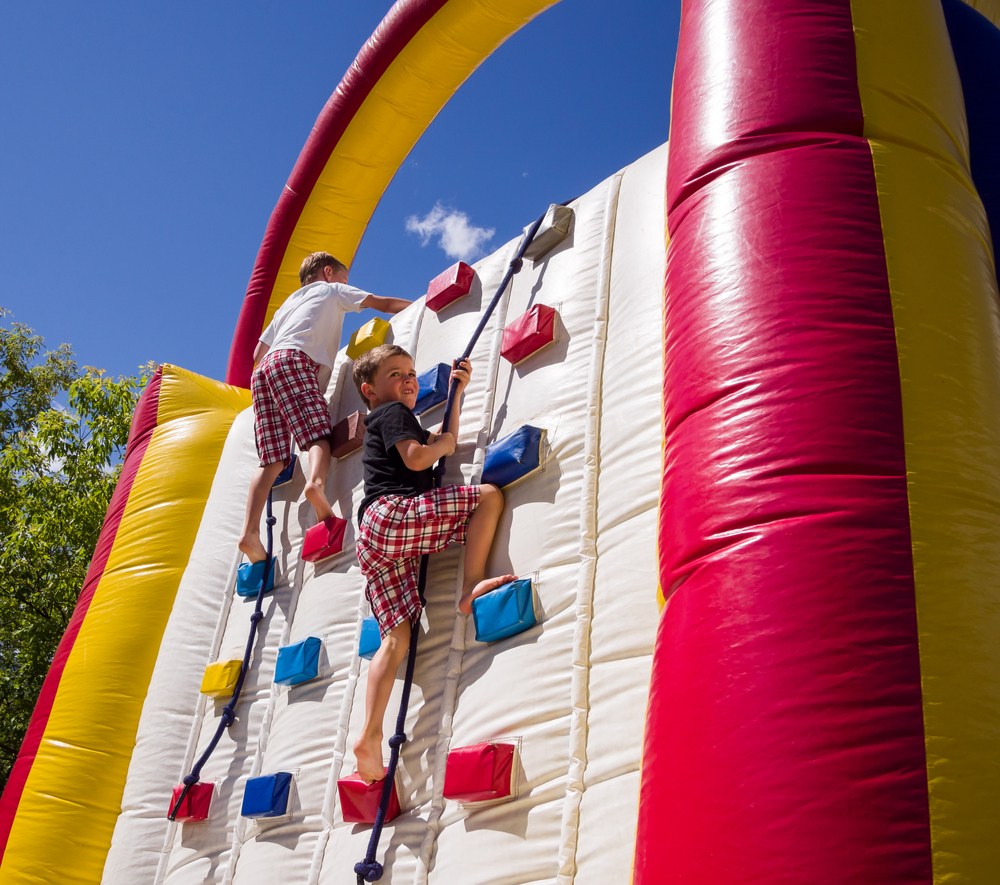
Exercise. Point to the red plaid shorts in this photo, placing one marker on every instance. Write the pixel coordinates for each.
(286, 394)
(394, 532)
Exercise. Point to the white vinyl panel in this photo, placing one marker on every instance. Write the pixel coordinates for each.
(173, 700)
(522, 686)
(625, 612)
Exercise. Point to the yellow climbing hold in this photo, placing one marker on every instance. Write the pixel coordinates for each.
(220, 677)
(370, 335)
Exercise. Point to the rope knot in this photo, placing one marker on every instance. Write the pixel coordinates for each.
(191, 779)
(272, 520)
(257, 617)
(370, 872)
(228, 716)
(397, 740)
(517, 264)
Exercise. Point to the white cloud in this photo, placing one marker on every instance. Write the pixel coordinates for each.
(457, 236)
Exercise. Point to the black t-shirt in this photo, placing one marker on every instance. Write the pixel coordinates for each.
(385, 472)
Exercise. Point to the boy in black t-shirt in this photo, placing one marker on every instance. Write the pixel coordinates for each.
(402, 517)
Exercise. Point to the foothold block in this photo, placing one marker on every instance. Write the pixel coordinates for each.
(371, 334)
(325, 539)
(433, 388)
(299, 662)
(371, 638)
(250, 575)
(359, 801)
(513, 457)
(551, 232)
(287, 472)
(267, 796)
(529, 333)
(348, 435)
(504, 612)
(220, 678)
(480, 773)
(196, 805)
(449, 286)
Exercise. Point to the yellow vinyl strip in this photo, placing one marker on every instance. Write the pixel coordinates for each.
(407, 97)
(988, 8)
(76, 782)
(945, 307)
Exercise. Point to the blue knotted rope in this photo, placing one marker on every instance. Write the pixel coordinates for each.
(229, 711)
(369, 870)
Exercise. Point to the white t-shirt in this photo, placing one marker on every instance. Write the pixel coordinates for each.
(311, 319)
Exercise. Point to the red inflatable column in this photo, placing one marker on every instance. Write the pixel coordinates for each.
(784, 737)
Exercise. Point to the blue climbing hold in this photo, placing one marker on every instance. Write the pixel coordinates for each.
(513, 457)
(504, 612)
(286, 474)
(370, 640)
(433, 388)
(267, 796)
(299, 662)
(249, 577)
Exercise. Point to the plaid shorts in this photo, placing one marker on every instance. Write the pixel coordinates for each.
(394, 532)
(286, 393)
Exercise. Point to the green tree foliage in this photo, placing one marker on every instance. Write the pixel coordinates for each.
(58, 469)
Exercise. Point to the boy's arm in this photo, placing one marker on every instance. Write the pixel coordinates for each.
(260, 352)
(385, 304)
(419, 457)
(460, 374)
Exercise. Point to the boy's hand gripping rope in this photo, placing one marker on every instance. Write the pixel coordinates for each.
(229, 711)
(369, 870)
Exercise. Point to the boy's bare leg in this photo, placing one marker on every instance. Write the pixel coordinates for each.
(478, 540)
(319, 466)
(260, 485)
(381, 676)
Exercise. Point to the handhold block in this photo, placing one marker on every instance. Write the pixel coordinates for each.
(267, 796)
(250, 575)
(513, 457)
(433, 388)
(480, 773)
(449, 286)
(325, 539)
(348, 435)
(370, 335)
(196, 804)
(551, 232)
(504, 612)
(529, 333)
(287, 472)
(370, 640)
(359, 801)
(220, 678)
(299, 662)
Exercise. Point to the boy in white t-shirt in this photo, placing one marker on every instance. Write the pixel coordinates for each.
(303, 335)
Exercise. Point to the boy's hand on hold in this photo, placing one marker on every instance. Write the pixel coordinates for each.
(461, 372)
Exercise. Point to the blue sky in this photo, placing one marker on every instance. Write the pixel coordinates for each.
(144, 146)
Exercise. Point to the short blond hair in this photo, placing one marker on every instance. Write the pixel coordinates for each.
(367, 365)
(313, 264)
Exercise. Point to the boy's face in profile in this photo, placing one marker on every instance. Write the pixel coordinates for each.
(395, 381)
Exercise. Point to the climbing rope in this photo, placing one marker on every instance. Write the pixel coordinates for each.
(229, 711)
(369, 870)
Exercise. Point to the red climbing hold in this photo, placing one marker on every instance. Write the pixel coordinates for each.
(325, 539)
(529, 333)
(348, 435)
(359, 801)
(449, 286)
(196, 804)
(480, 773)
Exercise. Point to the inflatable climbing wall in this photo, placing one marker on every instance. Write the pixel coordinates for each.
(762, 531)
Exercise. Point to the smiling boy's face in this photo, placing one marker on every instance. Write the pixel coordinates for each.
(395, 381)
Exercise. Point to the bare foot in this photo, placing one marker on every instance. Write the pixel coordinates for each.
(316, 495)
(368, 754)
(251, 546)
(477, 590)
